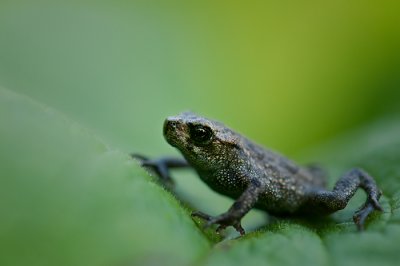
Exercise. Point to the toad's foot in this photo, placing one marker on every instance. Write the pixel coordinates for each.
(158, 166)
(345, 188)
(161, 167)
(224, 220)
(361, 215)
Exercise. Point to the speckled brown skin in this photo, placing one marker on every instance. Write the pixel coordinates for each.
(256, 177)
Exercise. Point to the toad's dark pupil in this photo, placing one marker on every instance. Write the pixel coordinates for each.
(200, 134)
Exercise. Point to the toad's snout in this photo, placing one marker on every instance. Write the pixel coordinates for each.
(172, 130)
(168, 125)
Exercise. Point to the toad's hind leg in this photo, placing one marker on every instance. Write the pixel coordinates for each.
(331, 201)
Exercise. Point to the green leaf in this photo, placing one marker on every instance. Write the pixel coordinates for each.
(66, 198)
(285, 244)
(70, 197)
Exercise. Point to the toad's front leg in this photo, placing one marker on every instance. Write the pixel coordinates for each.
(237, 211)
(161, 166)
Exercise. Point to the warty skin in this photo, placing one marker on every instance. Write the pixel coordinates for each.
(253, 176)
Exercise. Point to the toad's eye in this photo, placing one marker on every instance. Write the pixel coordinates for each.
(201, 135)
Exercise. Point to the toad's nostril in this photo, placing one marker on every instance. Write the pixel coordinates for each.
(169, 125)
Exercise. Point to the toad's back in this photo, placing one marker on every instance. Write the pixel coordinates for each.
(286, 182)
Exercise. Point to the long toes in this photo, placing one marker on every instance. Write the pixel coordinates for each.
(158, 167)
(201, 215)
(151, 163)
(223, 221)
(139, 157)
(142, 160)
(240, 229)
(360, 216)
(376, 204)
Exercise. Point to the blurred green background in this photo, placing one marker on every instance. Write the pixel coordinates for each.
(82, 83)
(288, 74)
